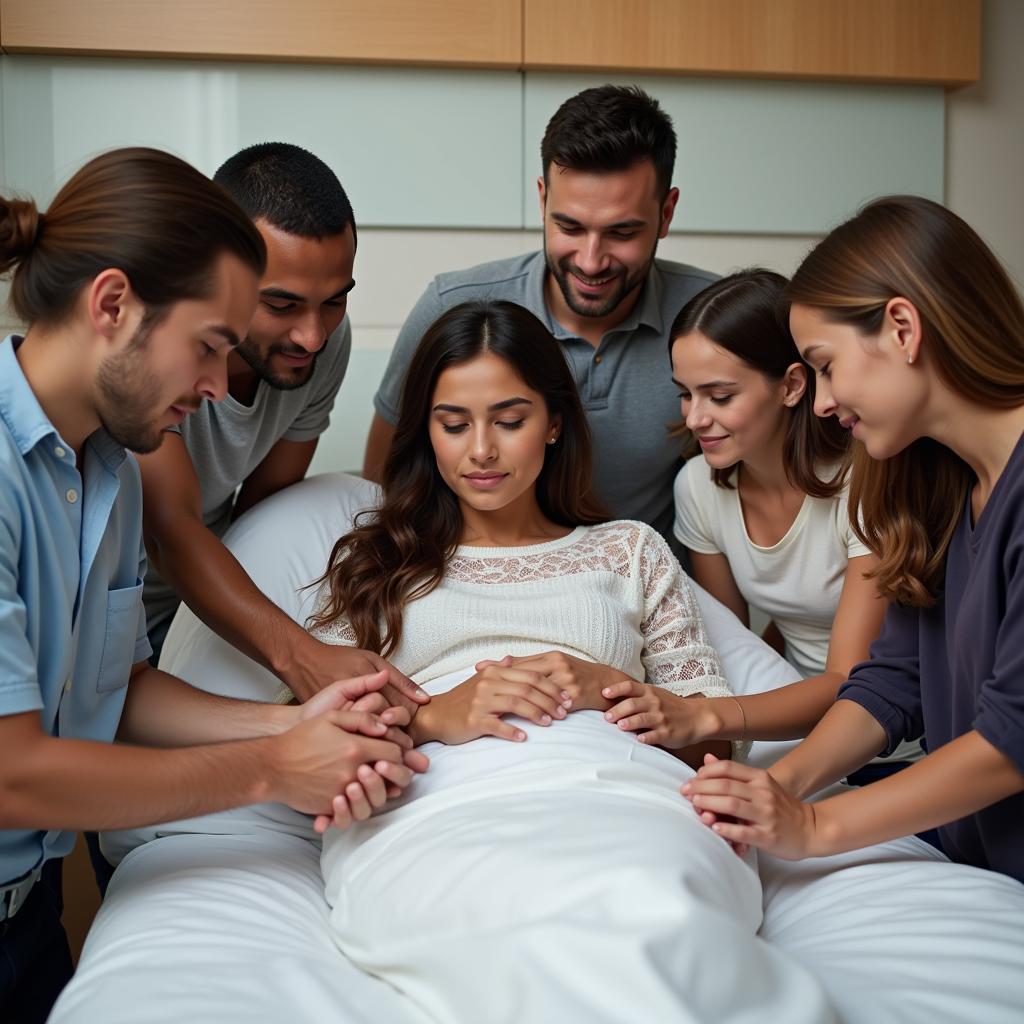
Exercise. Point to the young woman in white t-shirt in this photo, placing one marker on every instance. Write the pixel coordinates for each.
(763, 509)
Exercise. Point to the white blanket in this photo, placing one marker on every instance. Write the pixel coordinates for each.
(556, 880)
(636, 909)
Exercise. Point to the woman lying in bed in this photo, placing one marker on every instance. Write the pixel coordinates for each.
(557, 877)
(489, 542)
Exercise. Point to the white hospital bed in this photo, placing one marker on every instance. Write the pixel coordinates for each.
(223, 918)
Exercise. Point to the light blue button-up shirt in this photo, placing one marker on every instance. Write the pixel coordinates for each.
(71, 569)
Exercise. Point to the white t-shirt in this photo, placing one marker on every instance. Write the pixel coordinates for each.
(227, 440)
(797, 581)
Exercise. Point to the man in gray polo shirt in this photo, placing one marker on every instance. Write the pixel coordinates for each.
(606, 196)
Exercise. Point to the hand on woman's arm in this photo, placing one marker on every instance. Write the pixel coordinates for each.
(667, 720)
(961, 778)
(792, 711)
(670, 721)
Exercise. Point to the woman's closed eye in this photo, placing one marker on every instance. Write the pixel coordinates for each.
(458, 428)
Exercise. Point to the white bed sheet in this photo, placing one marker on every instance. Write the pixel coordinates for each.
(223, 918)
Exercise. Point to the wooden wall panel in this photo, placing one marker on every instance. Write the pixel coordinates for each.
(920, 41)
(463, 33)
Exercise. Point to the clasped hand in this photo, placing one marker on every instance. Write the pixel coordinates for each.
(347, 753)
(749, 807)
(542, 688)
(661, 718)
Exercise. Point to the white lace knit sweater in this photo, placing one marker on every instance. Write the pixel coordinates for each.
(612, 594)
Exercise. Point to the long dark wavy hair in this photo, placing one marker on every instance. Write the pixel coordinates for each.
(398, 552)
(972, 333)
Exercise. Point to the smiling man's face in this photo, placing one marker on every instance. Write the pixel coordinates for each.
(303, 297)
(600, 234)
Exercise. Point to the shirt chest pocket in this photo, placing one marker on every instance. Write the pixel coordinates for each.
(120, 631)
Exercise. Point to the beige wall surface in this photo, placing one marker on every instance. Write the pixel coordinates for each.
(985, 138)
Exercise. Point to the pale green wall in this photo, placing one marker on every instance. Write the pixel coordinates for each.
(763, 166)
(775, 157)
(459, 149)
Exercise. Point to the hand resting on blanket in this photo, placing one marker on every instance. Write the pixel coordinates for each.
(543, 689)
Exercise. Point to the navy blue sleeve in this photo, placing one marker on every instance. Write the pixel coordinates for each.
(1000, 717)
(888, 686)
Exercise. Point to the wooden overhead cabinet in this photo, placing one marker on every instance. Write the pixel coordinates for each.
(453, 33)
(901, 41)
(912, 41)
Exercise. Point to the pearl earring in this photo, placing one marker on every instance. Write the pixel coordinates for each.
(910, 360)
(552, 440)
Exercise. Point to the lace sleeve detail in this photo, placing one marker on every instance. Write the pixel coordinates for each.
(677, 654)
(340, 633)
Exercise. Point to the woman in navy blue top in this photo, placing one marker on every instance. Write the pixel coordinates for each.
(917, 336)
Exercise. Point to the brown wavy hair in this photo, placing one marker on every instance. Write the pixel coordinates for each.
(399, 552)
(742, 313)
(972, 332)
(141, 210)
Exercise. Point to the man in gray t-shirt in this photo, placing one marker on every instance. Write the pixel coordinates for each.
(231, 454)
(606, 197)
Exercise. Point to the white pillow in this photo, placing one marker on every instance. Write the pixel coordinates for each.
(283, 543)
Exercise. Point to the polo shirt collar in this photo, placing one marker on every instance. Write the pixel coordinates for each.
(25, 418)
(646, 312)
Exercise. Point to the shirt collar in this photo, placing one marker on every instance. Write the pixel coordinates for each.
(24, 416)
(646, 312)
(19, 407)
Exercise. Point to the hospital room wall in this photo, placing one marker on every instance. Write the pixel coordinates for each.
(440, 165)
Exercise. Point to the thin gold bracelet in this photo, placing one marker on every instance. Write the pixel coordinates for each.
(743, 716)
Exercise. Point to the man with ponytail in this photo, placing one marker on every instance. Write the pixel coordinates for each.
(135, 286)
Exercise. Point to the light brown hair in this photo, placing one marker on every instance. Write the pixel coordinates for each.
(972, 327)
(140, 210)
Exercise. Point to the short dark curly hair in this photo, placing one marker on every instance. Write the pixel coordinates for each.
(289, 187)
